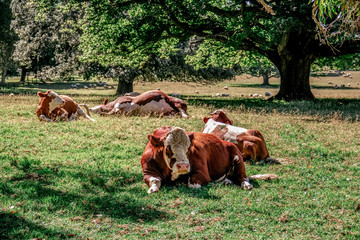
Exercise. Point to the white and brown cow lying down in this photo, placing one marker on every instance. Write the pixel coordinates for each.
(250, 142)
(155, 102)
(53, 107)
(172, 154)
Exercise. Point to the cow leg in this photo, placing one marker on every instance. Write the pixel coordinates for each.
(44, 118)
(153, 182)
(82, 113)
(197, 179)
(228, 181)
(239, 174)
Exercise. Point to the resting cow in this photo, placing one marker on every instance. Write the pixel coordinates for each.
(53, 107)
(149, 102)
(250, 142)
(201, 157)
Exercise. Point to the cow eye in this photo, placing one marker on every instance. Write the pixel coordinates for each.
(169, 152)
(172, 162)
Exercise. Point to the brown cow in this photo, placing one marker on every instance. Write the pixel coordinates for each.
(149, 102)
(53, 107)
(250, 142)
(172, 153)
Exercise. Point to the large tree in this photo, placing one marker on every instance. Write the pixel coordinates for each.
(7, 39)
(128, 32)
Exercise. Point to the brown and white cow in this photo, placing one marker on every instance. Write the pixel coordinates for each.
(53, 107)
(172, 153)
(149, 102)
(250, 142)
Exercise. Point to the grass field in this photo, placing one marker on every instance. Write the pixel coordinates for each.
(83, 180)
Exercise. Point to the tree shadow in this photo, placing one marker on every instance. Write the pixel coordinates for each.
(325, 108)
(330, 87)
(13, 226)
(254, 85)
(34, 88)
(119, 199)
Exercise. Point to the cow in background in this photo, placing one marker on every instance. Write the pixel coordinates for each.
(250, 142)
(146, 103)
(172, 153)
(53, 107)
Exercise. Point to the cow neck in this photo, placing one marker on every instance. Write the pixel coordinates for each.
(159, 156)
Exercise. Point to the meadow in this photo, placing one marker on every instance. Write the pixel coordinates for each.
(83, 180)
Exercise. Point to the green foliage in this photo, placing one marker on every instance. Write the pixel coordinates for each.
(346, 62)
(7, 39)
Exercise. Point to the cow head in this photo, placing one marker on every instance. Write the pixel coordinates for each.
(51, 98)
(181, 105)
(175, 144)
(219, 116)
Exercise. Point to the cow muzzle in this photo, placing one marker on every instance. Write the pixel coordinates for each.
(183, 168)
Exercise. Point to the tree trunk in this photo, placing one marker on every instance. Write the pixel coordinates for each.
(3, 75)
(23, 74)
(265, 80)
(124, 86)
(293, 58)
(295, 79)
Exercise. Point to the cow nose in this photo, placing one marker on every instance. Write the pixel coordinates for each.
(182, 167)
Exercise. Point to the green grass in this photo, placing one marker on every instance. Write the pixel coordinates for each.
(83, 180)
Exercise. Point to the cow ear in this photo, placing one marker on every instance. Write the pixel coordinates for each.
(155, 141)
(40, 94)
(206, 119)
(105, 101)
(191, 136)
(230, 122)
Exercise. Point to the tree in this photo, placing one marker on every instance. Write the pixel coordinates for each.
(128, 32)
(48, 43)
(346, 20)
(258, 66)
(7, 39)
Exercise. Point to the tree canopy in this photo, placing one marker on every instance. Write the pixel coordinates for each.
(7, 38)
(128, 32)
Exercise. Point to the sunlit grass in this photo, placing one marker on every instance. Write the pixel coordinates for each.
(84, 180)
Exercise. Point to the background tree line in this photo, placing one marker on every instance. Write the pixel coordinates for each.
(179, 41)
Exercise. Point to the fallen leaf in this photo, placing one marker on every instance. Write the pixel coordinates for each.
(97, 221)
(124, 226)
(283, 218)
(78, 218)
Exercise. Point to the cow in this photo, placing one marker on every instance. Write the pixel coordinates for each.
(53, 107)
(172, 154)
(154, 101)
(250, 142)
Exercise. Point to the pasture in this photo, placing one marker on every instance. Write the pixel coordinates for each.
(83, 180)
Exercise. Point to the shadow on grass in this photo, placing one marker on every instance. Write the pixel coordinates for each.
(202, 193)
(326, 108)
(14, 226)
(31, 88)
(94, 194)
(248, 85)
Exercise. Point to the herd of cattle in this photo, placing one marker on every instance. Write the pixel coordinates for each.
(173, 155)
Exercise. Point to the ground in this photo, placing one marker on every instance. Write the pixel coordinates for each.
(83, 180)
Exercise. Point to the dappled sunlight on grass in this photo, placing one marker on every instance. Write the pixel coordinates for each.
(84, 180)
